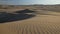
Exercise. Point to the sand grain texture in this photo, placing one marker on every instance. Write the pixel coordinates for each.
(42, 23)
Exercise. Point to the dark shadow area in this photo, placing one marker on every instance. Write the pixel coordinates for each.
(9, 17)
(25, 11)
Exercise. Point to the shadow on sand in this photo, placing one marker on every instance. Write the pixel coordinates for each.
(25, 11)
(18, 15)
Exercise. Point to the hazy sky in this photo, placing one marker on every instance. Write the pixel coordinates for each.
(27, 2)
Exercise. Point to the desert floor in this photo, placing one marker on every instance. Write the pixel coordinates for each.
(42, 23)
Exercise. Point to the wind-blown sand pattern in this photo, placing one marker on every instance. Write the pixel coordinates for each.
(43, 23)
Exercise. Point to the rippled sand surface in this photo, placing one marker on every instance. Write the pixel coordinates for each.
(41, 24)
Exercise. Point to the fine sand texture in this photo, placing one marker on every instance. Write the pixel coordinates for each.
(42, 22)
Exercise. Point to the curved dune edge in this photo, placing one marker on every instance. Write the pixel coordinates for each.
(41, 24)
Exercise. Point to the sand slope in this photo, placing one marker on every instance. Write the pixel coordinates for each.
(41, 24)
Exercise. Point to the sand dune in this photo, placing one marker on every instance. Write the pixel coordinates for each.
(47, 22)
(41, 24)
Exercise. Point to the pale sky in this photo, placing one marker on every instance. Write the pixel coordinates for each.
(27, 2)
